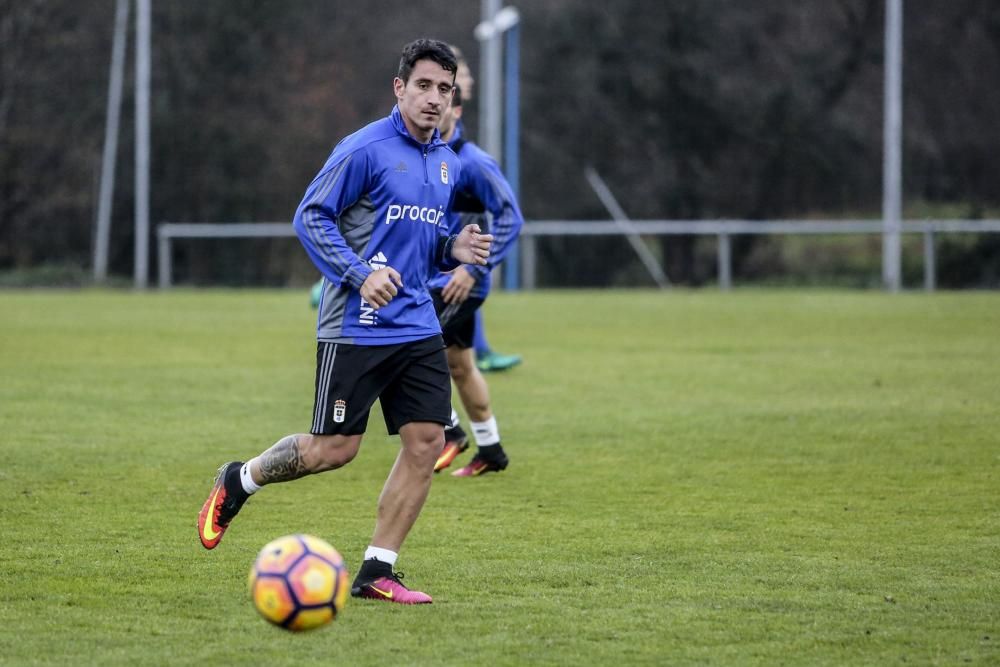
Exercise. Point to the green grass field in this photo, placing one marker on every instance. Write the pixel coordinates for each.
(759, 477)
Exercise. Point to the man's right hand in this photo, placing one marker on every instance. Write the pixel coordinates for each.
(380, 286)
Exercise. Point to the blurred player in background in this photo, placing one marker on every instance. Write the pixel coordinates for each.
(383, 192)
(483, 197)
(486, 359)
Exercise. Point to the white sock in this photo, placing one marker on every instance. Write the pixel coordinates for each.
(250, 486)
(455, 421)
(486, 433)
(383, 555)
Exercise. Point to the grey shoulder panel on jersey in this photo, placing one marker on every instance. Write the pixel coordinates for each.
(357, 223)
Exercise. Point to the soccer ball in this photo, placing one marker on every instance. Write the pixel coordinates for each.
(298, 582)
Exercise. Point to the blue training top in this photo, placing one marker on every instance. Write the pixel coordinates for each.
(482, 189)
(380, 200)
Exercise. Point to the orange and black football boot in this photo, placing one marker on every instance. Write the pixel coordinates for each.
(483, 463)
(223, 503)
(455, 442)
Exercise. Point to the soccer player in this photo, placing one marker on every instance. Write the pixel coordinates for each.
(373, 222)
(486, 358)
(481, 191)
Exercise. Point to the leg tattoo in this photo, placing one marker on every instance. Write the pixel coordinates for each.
(283, 461)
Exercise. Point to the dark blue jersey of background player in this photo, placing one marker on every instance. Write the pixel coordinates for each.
(481, 189)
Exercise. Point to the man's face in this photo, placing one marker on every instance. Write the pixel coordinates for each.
(449, 118)
(423, 99)
(464, 80)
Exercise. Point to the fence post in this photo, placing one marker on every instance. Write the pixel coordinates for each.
(930, 269)
(725, 264)
(529, 272)
(166, 270)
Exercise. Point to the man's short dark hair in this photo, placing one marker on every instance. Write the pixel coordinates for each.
(456, 99)
(426, 49)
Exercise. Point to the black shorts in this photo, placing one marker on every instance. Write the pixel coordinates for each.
(457, 320)
(411, 381)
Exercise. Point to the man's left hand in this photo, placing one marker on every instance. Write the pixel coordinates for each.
(472, 247)
(458, 288)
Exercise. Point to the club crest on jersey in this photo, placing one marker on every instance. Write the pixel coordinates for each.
(339, 410)
(444, 173)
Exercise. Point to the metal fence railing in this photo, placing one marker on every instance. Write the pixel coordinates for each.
(724, 230)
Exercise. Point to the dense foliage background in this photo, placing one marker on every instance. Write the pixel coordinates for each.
(687, 108)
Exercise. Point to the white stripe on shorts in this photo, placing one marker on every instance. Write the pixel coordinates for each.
(323, 386)
(449, 312)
